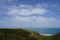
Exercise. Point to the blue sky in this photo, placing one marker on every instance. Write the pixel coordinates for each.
(29, 13)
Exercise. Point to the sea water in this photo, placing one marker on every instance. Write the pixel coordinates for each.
(46, 31)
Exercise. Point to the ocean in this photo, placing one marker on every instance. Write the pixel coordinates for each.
(46, 31)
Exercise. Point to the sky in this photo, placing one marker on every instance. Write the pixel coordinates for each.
(29, 13)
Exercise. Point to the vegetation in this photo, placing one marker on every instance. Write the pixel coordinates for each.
(21, 34)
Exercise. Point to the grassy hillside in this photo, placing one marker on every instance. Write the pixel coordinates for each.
(21, 34)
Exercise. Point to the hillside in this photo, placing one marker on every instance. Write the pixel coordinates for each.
(56, 36)
(22, 34)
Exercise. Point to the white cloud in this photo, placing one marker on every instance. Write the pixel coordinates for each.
(34, 22)
(27, 10)
(42, 21)
(29, 21)
(22, 19)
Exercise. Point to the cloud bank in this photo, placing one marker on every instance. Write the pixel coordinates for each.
(28, 10)
(28, 16)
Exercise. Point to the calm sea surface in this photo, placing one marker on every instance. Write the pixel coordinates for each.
(46, 30)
